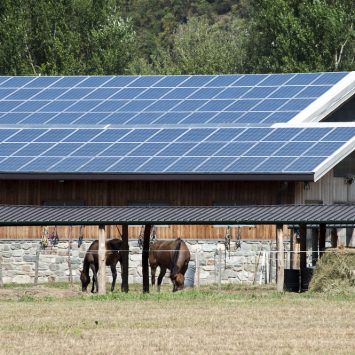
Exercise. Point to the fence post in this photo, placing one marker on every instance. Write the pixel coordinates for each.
(102, 260)
(219, 268)
(1, 280)
(36, 267)
(197, 263)
(69, 259)
(280, 258)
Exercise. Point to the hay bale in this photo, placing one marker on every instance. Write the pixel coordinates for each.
(335, 272)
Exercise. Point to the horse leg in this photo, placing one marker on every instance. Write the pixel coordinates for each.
(153, 270)
(114, 277)
(160, 278)
(94, 278)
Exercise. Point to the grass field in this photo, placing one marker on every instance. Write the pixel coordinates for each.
(60, 320)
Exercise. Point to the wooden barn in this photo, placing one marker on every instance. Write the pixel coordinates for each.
(220, 140)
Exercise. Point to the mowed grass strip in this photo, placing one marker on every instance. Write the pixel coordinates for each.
(230, 321)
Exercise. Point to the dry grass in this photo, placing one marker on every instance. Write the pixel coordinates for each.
(235, 320)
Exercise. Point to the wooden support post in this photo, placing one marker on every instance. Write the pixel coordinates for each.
(125, 258)
(145, 257)
(303, 246)
(322, 233)
(36, 267)
(1, 280)
(314, 246)
(280, 258)
(102, 260)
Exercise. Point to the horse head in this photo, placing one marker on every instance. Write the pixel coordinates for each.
(85, 280)
(178, 282)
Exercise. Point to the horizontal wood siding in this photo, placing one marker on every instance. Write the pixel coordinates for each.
(122, 193)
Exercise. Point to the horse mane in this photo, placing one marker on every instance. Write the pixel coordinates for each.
(175, 256)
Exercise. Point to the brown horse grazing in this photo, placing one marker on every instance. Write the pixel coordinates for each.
(91, 261)
(173, 255)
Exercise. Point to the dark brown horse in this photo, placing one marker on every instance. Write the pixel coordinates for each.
(173, 255)
(91, 261)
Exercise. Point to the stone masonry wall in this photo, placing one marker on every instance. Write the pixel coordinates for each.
(253, 261)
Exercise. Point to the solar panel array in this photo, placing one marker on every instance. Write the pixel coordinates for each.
(163, 124)
(137, 100)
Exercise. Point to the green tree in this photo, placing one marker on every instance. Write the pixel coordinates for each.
(199, 47)
(301, 36)
(52, 37)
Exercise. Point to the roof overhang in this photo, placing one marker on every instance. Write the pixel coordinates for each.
(159, 177)
(11, 215)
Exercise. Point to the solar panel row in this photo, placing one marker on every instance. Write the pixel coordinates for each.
(169, 149)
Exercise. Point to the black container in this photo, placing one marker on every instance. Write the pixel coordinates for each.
(291, 280)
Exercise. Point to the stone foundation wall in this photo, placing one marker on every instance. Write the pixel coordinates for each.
(253, 261)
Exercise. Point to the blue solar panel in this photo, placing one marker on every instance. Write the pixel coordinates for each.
(83, 106)
(17, 81)
(274, 164)
(286, 92)
(253, 134)
(23, 94)
(32, 150)
(7, 149)
(30, 106)
(312, 134)
(49, 94)
(98, 164)
(91, 118)
(37, 118)
(283, 134)
(179, 93)
(226, 117)
(329, 78)
(225, 135)
(186, 164)
(296, 105)
(278, 117)
(171, 81)
(198, 117)
(250, 80)
(161, 106)
(137, 105)
(95, 81)
(276, 79)
(195, 135)
(83, 135)
(223, 81)
(304, 164)
(101, 93)
(270, 105)
(341, 134)
(6, 92)
(42, 81)
(126, 94)
(167, 135)
(57, 106)
(12, 164)
(263, 149)
(171, 117)
(129, 164)
(234, 149)
(205, 149)
(119, 81)
(139, 135)
(190, 105)
(39, 164)
(253, 117)
(205, 93)
(303, 79)
(294, 149)
(153, 93)
(54, 135)
(68, 81)
(242, 105)
(218, 105)
(176, 149)
(111, 135)
(323, 149)
(65, 118)
(90, 149)
(244, 165)
(75, 94)
(110, 106)
(145, 81)
(197, 81)
(26, 135)
(144, 118)
(147, 149)
(62, 149)
(313, 91)
(13, 118)
(232, 93)
(259, 92)
(6, 106)
(156, 164)
(69, 164)
(215, 164)
(118, 149)
(117, 118)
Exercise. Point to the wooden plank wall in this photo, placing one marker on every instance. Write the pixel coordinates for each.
(123, 193)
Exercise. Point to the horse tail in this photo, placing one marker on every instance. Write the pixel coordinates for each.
(174, 268)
